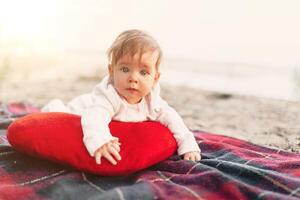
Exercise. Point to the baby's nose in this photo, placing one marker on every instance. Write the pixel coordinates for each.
(133, 78)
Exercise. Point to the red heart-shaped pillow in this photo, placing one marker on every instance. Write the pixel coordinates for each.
(58, 137)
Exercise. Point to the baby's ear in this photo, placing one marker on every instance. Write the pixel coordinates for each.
(110, 69)
(111, 72)
(156, 78)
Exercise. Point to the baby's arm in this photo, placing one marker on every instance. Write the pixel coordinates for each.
(96, 133)
(187, 145)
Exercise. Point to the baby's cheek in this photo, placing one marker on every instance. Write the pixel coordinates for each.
(147, 90)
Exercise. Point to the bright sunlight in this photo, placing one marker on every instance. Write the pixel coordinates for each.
(27, 26)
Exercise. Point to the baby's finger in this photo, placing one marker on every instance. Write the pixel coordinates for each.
(186, 157)
(193, 158)
(190, 158)
(115, 153)
(116, 146)
(98, 158)
(116, 142)
(109, 157)
(198, 157)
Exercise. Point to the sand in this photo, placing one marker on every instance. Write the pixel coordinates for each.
(263, 121)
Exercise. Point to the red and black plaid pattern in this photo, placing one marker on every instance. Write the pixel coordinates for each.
(229, 169)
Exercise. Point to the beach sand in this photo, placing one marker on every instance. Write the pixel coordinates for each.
(263, 121)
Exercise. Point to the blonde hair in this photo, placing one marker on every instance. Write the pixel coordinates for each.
(132, 42)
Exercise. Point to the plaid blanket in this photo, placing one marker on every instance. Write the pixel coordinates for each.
(229, 169)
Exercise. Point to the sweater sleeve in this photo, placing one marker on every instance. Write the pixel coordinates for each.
(95, 120)
(184, 137)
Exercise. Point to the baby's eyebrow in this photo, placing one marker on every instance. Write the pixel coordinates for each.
(144, 66)
(123, 63)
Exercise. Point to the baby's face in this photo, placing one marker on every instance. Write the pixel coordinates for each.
(134, 77)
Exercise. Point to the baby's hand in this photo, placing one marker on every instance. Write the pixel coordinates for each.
(193, 156)
(110, 151)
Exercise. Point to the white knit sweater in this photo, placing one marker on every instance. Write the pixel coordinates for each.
(104, 104)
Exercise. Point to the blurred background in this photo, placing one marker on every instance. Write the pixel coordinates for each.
(249, 47)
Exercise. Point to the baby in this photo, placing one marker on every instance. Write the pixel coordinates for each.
(129, 93)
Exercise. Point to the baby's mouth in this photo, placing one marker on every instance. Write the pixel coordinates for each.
(132, 89)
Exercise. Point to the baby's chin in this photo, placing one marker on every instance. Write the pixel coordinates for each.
(133, 101)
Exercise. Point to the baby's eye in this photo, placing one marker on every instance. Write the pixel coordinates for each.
(144, 72)
(124, 69)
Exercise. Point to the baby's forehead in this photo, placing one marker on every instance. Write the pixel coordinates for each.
(146, 57)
